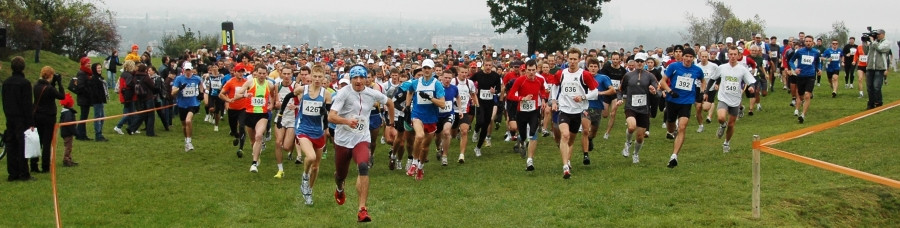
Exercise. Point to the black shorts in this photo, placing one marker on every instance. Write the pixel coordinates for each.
(641, 120)
(512, 108)
(443, 120)
(182, 112)
(216, 103)
(862, 68)
(831, 74)
(252, 118)
(698, 98)
(792, 80)
(675, 111)
(609, 100)
(711, 96)
(465, 119)
(805, 84)
(574, 121)
(760, 83)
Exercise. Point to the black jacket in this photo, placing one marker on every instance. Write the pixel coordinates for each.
(17, 102)
(90, 89)
(45, 97)
(147, 83)
(113, 62)
(67, 115)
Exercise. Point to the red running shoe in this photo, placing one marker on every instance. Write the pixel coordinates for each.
(412, 170)
(420, 174)
(339, 197)
(363, 216)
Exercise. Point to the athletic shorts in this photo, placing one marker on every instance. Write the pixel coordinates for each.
(216, 103)
(733, 111)
(711, 96)
(429, 128)
(253, 118)
(182, 112)
(862, 68)
(444, 120)
(792, 80)
(331, 132)
(805, 84)
(594, 115)
(398, 125)
(609, 99)
(375, 121)
(465, 119)
(317, 143)
(574, 121)
(641, 120)
(675, 111)
(287, 119)
(512, 108)
(831, 74)
(698, 98)
(554, 115)
(760, 83)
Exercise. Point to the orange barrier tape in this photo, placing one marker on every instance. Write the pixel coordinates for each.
(53, 154)
(832, 167)
(825, 126)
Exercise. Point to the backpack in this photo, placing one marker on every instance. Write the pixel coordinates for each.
(160, 86)
(140, 90)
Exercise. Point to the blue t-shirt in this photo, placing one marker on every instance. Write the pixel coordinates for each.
(309, 120)
(806, 59)
(682, 81)
(603, 84)
(427, 113)
(834, 59)
(450, 94)
(187, 97)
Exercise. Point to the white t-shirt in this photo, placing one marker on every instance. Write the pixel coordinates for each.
(730, 88)
(570, 86)
(465, 89)
(355, 105)
(708, 70)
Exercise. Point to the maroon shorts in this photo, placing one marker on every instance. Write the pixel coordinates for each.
(317, 143)
(429, 128)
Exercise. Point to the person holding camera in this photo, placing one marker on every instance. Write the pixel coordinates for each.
(878, 59)
(45, 97)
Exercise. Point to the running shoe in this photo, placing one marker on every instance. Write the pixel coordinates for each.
(240, 153)
(635, 158)
(408, 164)
(477, 152)
(420, 174)
(443, 160)
(462, 159)
(626, 150)
(721, 131)
(860, 94)
(590, 145)
(363, 216)
(833, 94)
(474, 136)
(673, 161)
(382, 140)
(216, 128)
(412, 170)
(507, 137)
(793, 103)
(545, 133)
(586, 160)
(529, 165)
(726, 147)
(796, 112)
(519, 148)
(487, 142)
(253, 168)
(700, 128)
(118, 130)
(339, 197)
(393, 163)
(566, 173)
(279, 174)
(188, 147)
(234, 142)
(670, 135)
(606, 135)
(306, 190)
(801, 118)
(708, 120)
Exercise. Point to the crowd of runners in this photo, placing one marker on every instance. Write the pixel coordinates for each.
(409, 100)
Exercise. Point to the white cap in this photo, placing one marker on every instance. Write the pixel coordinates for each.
(344, 81)
(428, 63)
(640, 56)
(433, 55)
(479, 64)
(729, 40)
(380, 63)
(188, 66)
(466, 53)
(703, 48)
(541, 55)
(370, 61)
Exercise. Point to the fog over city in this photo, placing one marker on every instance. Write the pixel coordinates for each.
(465, 23)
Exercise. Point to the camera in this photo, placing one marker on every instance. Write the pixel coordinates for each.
(57, 77)
(868, 36)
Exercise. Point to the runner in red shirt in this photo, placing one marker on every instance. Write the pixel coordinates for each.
(528, 92)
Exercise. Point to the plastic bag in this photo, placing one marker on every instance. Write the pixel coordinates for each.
(32, 143)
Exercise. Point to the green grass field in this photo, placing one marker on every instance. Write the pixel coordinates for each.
(139, 181)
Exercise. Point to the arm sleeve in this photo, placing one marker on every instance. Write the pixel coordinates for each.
(623, 87)
(286, 100)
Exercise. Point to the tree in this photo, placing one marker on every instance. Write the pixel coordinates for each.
(548, 25)
(70, 27)
(174, 45)
(720, 24)
(839, 32)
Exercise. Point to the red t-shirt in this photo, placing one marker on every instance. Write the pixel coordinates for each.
(524, 87)
(230, 89)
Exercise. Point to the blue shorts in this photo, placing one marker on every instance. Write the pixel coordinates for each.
(555, 117)
(375, 121)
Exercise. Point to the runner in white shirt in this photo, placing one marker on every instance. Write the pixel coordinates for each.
(706, 104)
(350, 112)
(730, 91)
(569, 95)
(466, 108)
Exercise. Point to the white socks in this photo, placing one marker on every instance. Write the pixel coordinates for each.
(280, 167)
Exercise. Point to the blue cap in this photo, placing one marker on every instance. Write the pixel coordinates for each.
(359, 71)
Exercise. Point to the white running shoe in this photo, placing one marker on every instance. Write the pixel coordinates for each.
(382, 140)
(700, 128)
(508, 137)
(118, 130)
(253, 168)
(635, 158)
(529, 165)
(664, 124)
(721, 131)
(444, 160)
(605, 135)
(625, 152)
(206, 119)
(474, 137)
(646, 134)
(216, 128)
(796, 112)
(462, 159)
(860, 94)
(487, 142)
(306, 190)
(408, 164)
(726, 147)
(188, 147)
(477, 152)
(758, 107)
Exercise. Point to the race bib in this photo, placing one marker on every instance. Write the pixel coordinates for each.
(806, 60)
(863, 58)
(731, 87)
(773, 54)
(527, 106)
(464, 99)
(312, 108)
(485, 94)
(835, 57)
(258, 101)
(638, 100)
(215, 84)
(446, 108)
(684, 83)
(190, 91)
(422, 100)
(361, 127)
(570, 88)
(616, 83)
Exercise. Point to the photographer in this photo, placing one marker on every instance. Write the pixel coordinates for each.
(45, 97)
(879, 49)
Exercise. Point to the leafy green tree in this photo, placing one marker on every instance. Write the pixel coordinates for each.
(720, 24)
(174, 45)
(70, 27)
(839, 32)
(549, 25)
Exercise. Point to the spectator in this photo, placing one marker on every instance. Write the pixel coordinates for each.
(45, 113)
(16, 104)
(67, 132)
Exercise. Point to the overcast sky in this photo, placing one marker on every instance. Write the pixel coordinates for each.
(816, 17)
